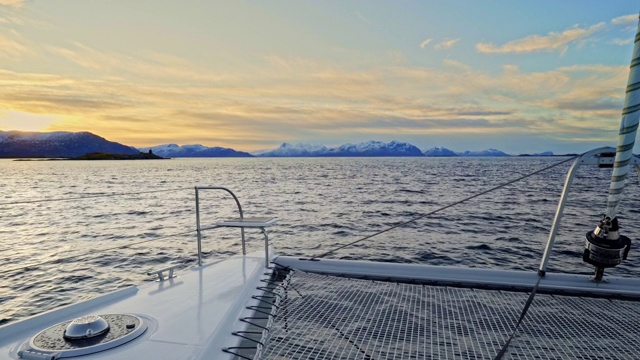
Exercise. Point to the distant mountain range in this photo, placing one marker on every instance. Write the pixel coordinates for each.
(197, 150)
(19, 144)
(369, 148)
(439, 152)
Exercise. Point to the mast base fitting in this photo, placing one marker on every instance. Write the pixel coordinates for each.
(604, 253)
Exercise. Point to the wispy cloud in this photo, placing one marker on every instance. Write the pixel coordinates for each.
(11, 48)
(236, 92)
(154, 65)
(425, 43)
(534, 43)
(622, 42)
(12, 3)
(594, 69)
(446, 44)
(362, 17)
(10, 19)
(626, 19)
(301, 99)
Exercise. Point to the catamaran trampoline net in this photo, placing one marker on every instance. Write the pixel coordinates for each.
(327, 317)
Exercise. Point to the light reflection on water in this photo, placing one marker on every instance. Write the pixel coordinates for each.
(320, 203)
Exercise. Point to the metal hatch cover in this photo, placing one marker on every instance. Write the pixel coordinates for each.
(55, 342)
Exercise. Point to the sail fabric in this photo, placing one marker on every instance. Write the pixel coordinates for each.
(627, 135)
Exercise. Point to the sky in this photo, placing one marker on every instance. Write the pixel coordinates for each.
(519, 76)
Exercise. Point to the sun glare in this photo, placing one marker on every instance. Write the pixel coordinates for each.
(16, 120)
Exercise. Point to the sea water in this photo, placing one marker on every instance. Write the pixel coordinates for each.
(64, 225)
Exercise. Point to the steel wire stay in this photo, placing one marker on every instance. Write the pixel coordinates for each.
(443, 208)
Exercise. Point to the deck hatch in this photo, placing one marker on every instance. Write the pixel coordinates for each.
(55, 342)
(329, 317)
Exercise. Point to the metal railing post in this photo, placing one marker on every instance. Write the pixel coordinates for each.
(198, 229)
(558, 217)
(584, 158)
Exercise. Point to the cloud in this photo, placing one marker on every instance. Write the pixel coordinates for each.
(626, 19)
(81, 103)
(10, 48)
(9, 20)
(484, 113)
(536, 43)
(594, 69)
(12, 3)
(362, 18)
(446, 44)
(149, 65)
(153, 98)
(622, 42)
(425, 43)
(606, 105)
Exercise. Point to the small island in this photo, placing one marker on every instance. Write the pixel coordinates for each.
(107, 156)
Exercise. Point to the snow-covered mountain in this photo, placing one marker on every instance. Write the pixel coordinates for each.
(60, 144)
(376, 148)
(439, 152)
(369, 148)
(195, 150)
(162, 150)
(70, 144)
(295, 150)
(486, 152)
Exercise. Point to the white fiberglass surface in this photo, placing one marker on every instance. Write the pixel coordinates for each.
(468, 277)
(188, 315)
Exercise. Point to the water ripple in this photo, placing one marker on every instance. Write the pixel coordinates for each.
(320, 204)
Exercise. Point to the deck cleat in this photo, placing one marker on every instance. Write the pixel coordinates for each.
(605, 247)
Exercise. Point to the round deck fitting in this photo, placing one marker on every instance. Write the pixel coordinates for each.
(86, 327)
(85, 335)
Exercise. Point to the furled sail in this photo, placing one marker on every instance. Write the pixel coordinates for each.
(627, 135)
(604, 246)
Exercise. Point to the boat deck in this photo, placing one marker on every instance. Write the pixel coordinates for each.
(190, 316)
(238, 309)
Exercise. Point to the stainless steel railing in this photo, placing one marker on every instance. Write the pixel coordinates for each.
(199, 228)
(590, 157)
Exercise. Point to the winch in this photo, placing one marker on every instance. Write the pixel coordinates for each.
(605, 247)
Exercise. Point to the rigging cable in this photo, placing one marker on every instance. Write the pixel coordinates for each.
(443, 208)
(95, 252)
(523, 313)
(88, 196)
